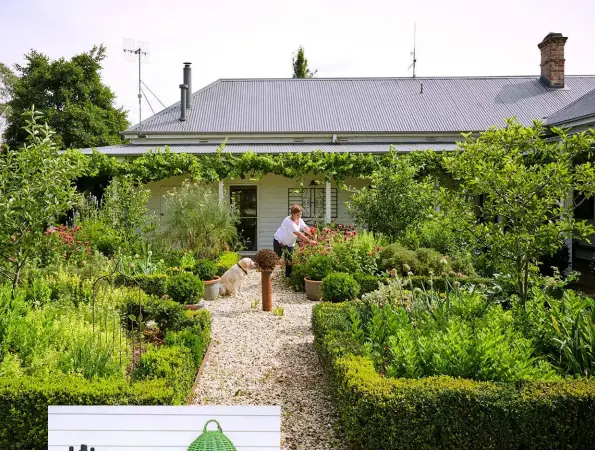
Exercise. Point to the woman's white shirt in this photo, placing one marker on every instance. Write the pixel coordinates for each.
(285, 233)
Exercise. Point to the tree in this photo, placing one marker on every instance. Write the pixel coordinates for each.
(7, 81)
(396, 199)
(300, 66)
(36, 190)
(527, 186)
(72, 98)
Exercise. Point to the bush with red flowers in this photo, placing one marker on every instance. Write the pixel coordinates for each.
(64, 244)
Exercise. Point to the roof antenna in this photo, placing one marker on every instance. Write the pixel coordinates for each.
(413, 53)
(137, 51)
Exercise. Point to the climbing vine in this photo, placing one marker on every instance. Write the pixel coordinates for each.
(338, 167)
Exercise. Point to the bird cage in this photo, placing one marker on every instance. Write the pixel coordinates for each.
(212, 440)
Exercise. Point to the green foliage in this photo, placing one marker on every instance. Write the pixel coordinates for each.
(172, 363)
(377, 412)
(226, 260)
(431, 262)
(396, 200)
(318, 267)
(358, 253)
(398, 258)
(196, 338)
(27, 399)
(300, 66)
(338, 287)
(198, 222)
(521, 178)
(367, 282)
(70, 94)
(564, 329)
(205, 269)
(296, 281)
(29, 204)
(153, 284)
(185, 288)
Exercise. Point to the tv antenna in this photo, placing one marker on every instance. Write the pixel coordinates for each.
(137, 51)
(413, 53)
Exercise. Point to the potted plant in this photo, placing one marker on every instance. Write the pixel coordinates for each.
(206, 270)
(317, 268)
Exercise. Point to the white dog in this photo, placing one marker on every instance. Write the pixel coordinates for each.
(231, 281)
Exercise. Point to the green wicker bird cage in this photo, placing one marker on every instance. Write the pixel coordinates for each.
(212, 440)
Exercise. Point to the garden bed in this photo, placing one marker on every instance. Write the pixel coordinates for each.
(443, 412)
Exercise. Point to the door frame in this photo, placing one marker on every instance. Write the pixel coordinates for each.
(240, 185)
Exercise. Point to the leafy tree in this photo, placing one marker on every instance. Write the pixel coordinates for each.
(70, 94)
(7, 81)
(525, 182)
(396, 199)
(36, 189)
(300, 66)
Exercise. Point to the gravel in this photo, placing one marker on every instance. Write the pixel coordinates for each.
(258, 358)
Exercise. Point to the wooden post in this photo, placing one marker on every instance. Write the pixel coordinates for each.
(267, 290)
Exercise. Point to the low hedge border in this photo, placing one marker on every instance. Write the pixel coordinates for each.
(24, 403)
(164, 376)
(444, 412)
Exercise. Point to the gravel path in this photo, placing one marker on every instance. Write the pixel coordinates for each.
(258, 358)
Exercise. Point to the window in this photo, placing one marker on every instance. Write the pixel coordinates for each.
(313, 203)
(585, 207)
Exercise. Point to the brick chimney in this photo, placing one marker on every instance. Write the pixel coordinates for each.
(552, 60)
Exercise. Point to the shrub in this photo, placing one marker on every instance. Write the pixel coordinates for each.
(153, 284)
(185, 288)
(399, 258)
(169, 315)
(198, 221)
(366, 282)
(337, 287)
(444, 283)
(205, 269)
(226, 260)
(172, 363)
(101, 236)
(359, 252)
(318, 267)
(196, 338)
(298, 272)
(431, 262)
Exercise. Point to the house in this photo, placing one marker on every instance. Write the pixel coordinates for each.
(273, 116)
(577, 117)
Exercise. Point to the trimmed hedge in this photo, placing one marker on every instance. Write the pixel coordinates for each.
(24, 403)
(444, 412)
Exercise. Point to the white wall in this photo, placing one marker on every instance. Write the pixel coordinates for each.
(160, 428)
(272, 192)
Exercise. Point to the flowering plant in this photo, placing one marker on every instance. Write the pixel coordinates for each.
(64, 243)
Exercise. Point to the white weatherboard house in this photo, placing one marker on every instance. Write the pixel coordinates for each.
(161, 428)
(272, 116)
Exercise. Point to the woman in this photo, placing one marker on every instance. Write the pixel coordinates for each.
(287, 234)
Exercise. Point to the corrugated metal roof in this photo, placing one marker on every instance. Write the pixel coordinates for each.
(135, 150)
(454, 104)
(583, 107)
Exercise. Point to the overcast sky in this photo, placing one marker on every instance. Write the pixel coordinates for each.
(342, 38)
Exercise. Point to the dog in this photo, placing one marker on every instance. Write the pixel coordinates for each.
(231, 282)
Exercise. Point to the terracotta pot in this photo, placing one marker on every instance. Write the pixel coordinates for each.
(313, 289)
(212, 289)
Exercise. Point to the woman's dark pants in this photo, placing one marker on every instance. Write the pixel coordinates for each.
(285, 251)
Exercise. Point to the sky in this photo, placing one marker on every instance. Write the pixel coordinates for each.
(257, 38)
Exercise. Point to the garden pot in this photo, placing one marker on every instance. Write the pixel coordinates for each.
(313, 289)
(212, 289)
